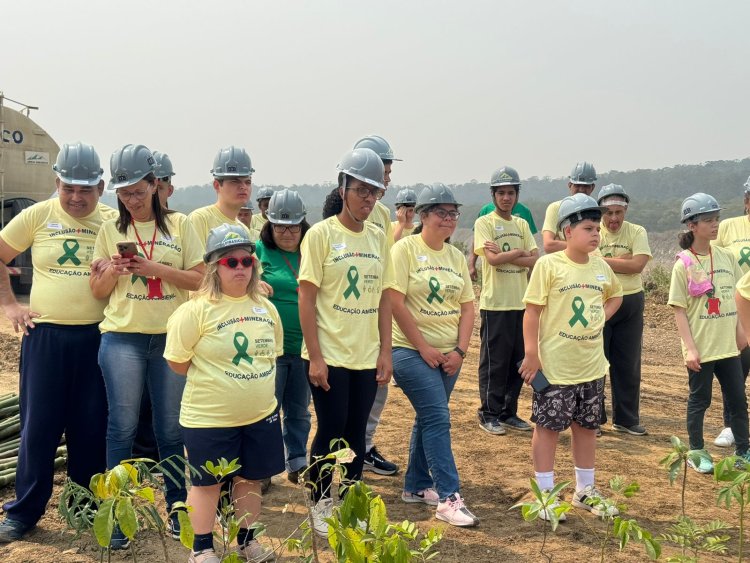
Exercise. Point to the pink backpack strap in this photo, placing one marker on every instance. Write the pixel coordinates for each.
(685, 257)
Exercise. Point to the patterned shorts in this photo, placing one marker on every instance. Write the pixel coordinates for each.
(560, 405)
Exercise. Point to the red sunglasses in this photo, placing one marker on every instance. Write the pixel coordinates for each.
(232, 262)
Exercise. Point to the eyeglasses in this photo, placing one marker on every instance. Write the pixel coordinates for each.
(281, 229)
(137, 194)
(165, 179)
(232, 262)
(365, 192)
(443, 214)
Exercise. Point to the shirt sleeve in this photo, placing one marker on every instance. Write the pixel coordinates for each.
(388, 272)
(192, 249)
(482, 233)
(400, 263)
(19, 233)
(278, 330)
(640, 243)
(183, 333)
(537, 291)
(721, 239)
(550, 219)
(678, 286)
(467, 294)
(614, 288)
(101, 245)
(313, 252)
(743, 286)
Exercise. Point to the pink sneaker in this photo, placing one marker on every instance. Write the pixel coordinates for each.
(425, 496)
(454, 511)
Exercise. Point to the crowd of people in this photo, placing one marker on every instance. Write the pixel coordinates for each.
(216, 330)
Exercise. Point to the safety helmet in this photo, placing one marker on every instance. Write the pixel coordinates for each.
(130, 165)
(226, 237)
(574, 208)
(612, 190)
(505, 176)
(435, 194)
(286, 208)
(363, 164)
(232, 162)
(698, 204)
(78, 165)
(164, 166)
(747, 185)
(264, 193)
(406, 196)
(378, 144)
(583, 173)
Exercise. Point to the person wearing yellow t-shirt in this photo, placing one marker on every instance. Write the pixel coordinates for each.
(403, 226)
(155, 259)
(346, 320)
(61, 388)
(571, 294)
(701, 294)
(433, 316)
(509, 251)
(624, 246)
(226, 340)
(581, 181)
(263, 198)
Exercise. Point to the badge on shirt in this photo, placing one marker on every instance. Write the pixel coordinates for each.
(601, 277)
(338, 245)
(260, 310)
(54, 226)
(499, 228)
(421, 258)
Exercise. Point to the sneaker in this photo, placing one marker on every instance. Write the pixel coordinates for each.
(635, 430)
(587, 499)
(12, 530)
(454, 511)
(323, 509)
(725, 439)
(493, 427)
(118, 540)
(255, 552)
(544, 513)
(598, 431)
(743, 461)
(294, 476)
(377, 463)
(173, 526)
(205, 556)
(425, 496)
(265, 484)
(705, 465)
(515, 423)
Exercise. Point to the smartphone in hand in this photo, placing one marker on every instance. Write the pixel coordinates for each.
(127, 249)
(540, 381)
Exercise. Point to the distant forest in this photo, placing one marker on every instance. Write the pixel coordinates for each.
(656, 195)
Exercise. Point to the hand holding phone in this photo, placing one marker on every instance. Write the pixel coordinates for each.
(127, 249)
(539, 382)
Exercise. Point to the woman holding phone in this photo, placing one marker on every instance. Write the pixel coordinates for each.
(143, 291)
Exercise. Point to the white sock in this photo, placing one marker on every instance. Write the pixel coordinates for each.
(584, 478)
(546, 480)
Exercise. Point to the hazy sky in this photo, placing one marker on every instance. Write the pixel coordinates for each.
(458, 88)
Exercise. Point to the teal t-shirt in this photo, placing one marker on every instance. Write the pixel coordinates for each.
(280, 271)
(519, 210)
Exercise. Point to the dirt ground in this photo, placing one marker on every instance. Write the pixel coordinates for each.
(494, 473)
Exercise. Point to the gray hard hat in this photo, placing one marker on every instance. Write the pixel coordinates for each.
(365, 165)
(164, 166)
(78, 165)
(505, 176)
(226, 237)
(264, 193)
(698, 204)
(286, 208)
(612, 190)
(130, 165)
(583, 173)
(575, 207)
(435, 194)
(406, 196)
(232, 162)
(378, 144)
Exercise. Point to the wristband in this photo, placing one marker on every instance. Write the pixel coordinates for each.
(460, 352)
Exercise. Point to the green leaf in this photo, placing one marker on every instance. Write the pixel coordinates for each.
(187, 535)
(146, 493)
(126, 517)
(104, 523)
(378, 520)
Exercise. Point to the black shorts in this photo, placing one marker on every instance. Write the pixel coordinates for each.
(258, 446)
(558, 406)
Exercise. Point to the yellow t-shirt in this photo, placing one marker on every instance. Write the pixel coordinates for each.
(381, 216)
(257, 222)
(351, 270)
(503, 285)
(62, 249)
(206, 218)
(108, 212)
(714, 334)
(408, 230)
(129, 308)
(629, 239)
(232, 345)
(435, 283)
(550, 220)
(734, 235)
(743, 287)
(571, 347)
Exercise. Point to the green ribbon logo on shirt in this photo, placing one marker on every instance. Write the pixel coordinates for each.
(578, 309)
(434, 288)
(744, 256)
(134, 277)
(352, 276)
(506, 247)
(70, 247)
(240, 344)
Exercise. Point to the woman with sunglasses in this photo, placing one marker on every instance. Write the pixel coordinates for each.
(433, 315)
(346, 320)
(279, 252)
(702, 296)
(144, 282)
(226, 340)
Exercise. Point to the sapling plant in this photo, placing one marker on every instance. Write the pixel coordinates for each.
(694, 539)
(733, 471)
(676, 463)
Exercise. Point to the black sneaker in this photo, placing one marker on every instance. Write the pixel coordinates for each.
(118, 540)
(378, 464)
(265, 484)
(294, 476)
(515, 423)
(173, 526)
(635, 430)
(12, 530)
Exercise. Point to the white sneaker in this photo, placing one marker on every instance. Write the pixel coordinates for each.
(544, 513)
(254, 552)
(587, 499)
(425, 496)
(205, 556)
(454, 511)
(725, 439)
(322, 510)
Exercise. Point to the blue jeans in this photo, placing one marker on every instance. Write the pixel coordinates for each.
(431, 461)
(293, 395)
(131, 362)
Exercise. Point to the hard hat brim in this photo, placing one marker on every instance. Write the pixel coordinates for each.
(77, 182)
(207, 257)
(580, 183)
(114, 186)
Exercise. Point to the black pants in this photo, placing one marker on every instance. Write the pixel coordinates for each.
(623, 340)
(729, 373)
(500, 351)
(745, 360)
(342, 412)
(61, 390)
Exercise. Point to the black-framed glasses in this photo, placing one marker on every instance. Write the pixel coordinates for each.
(137, 194)
(165, 179)
(444, 214)
(232, 262)
(365, 192)
(281, 229)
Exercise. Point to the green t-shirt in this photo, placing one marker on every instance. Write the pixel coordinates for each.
(519, 210)
(280, 271)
